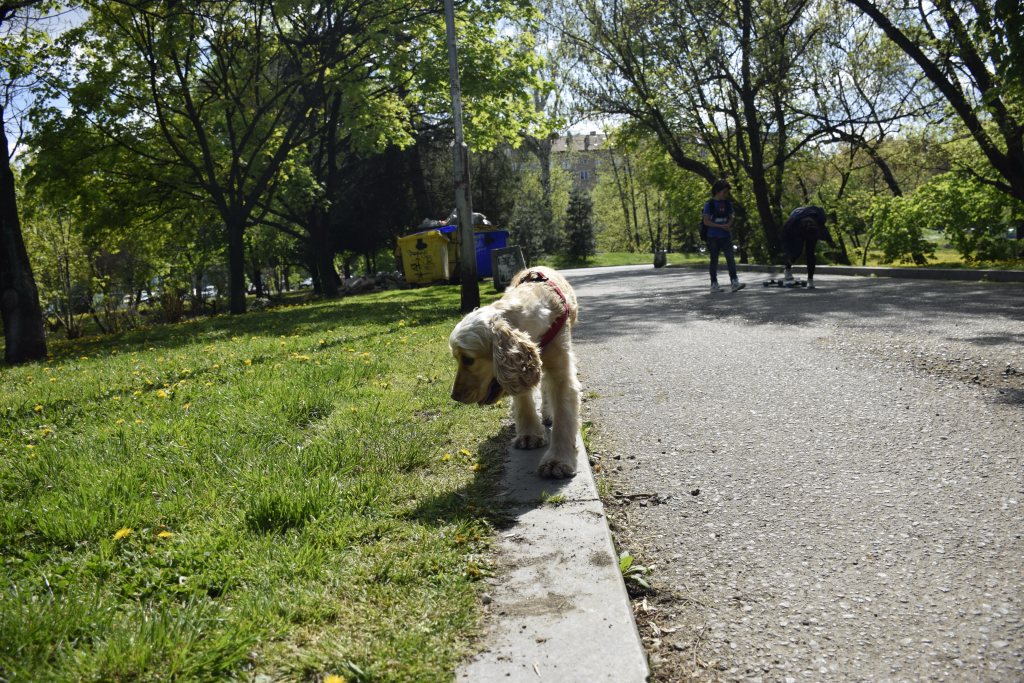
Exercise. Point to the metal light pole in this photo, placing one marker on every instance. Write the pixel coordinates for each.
(463, 194)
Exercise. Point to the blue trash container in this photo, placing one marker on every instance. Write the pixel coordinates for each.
(486, 240)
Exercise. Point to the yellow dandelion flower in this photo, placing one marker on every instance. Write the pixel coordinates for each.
(447, 456)
(117, 398)
(138, 422)
(149, 382)
(209, 384)
(215, 366)
(164, 534)
(321, 341)
(28, 445)
(54, 379)
(401, 323)
(334, 679)
(38, 409)
(166, 384)
(186, 406)
(248, 361)
(161, 394)
(122, 533)
(117, 422)
(352, 409)
(464, 451)
(136, 393)
(151, 348)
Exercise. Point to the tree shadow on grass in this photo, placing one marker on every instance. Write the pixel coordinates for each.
(474, 500)
(427, 306)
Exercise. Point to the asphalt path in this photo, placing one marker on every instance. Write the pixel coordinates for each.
(837, 472)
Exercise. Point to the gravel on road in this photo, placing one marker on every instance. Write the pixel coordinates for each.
(837, 472)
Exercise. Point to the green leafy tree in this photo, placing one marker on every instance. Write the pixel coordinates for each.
(218, 96)
(899, 239)
(578, 229)
(60, 262)
(712, 83)
(970, 52)
(974, 215)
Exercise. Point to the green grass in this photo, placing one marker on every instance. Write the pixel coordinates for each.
(289, 492)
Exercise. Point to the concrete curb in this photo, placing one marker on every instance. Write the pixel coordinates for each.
(907, 273)
(560, 611)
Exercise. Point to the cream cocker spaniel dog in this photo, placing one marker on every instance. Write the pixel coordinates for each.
(515, 344)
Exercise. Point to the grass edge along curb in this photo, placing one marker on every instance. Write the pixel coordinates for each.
(289, 492)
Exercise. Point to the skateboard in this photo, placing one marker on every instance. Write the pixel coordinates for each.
(780, 282)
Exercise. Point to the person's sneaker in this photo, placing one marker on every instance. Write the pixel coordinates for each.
(736, 284)
(789, 275)
(810, 283)
(715, 287)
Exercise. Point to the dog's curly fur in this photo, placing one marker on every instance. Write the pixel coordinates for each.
(497, 350)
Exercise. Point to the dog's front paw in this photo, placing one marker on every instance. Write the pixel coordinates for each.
(556, 469)
(526, 442)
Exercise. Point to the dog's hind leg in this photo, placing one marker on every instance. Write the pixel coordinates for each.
(530, 432)
(546, 389)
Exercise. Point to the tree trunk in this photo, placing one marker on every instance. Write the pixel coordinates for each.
(257, 281)
(419, 183)
(748, 96)
(236, 266)
(320, 241)
(323, 255)
(24, 334)
(844, 256)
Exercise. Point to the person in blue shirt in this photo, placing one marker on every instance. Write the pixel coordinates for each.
(718, 217)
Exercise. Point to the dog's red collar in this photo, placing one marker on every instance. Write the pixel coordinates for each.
(556, 327)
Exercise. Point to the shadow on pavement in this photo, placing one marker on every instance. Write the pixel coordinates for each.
(678, 296)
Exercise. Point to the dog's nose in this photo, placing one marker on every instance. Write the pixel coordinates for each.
(456, 395)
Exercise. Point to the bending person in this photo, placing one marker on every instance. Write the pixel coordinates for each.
(803, 229)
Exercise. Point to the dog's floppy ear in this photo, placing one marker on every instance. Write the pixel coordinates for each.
(516, 359)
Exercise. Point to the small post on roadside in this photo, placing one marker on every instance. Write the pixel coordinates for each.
(463, 193)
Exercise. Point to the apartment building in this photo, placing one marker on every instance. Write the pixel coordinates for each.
(583, 155)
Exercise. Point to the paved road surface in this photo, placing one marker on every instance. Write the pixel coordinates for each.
(857, 451)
